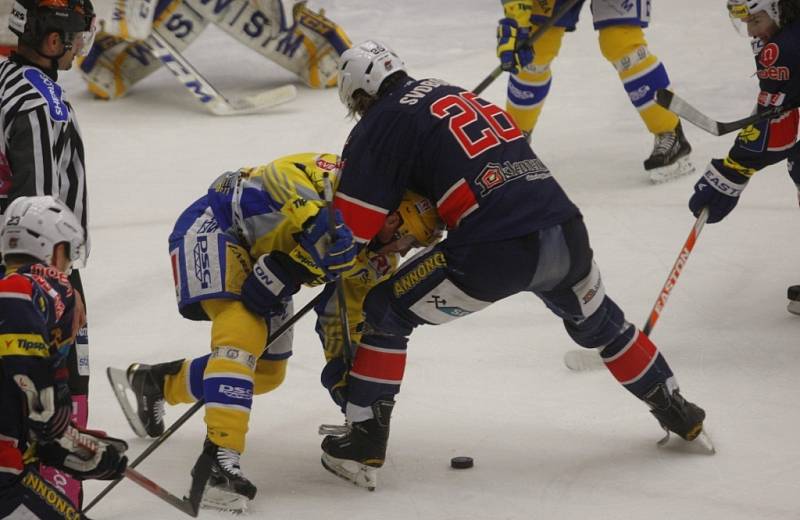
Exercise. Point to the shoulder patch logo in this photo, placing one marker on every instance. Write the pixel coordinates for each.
(51, 92)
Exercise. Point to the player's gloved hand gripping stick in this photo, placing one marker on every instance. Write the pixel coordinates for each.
(534, 36)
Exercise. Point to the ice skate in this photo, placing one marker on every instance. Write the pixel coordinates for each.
(227, 488)
(146, 382)
(794, 299)
(677, 415)
(670, 157)
(356, 456)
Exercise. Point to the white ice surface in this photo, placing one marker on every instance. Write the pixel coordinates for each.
(547, 443)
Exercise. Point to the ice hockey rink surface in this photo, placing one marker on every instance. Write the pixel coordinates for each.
(548, 443)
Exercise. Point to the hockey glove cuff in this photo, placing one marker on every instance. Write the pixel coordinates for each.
(49, 410)
(269, 285)
(718, 189)
(86, 454)
(513, 53)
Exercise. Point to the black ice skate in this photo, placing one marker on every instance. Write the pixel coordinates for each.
(677, 415)
(794, 299)
(356, 455)
(670, 156)
(146, 382)
(227, 488)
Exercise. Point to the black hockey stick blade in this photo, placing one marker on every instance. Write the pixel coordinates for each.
(530, 41)
(200, 475)
(182, 504)
(684, 110)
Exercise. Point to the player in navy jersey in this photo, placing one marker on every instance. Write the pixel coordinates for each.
(40, 315)
(774, 26)
(511, 229)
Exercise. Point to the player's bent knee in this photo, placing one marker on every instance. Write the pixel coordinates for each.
(617, 42)
(269, 375)
(233, 324)
(547, 47)
(600, 328)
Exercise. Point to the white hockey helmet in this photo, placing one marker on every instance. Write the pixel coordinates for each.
(740, 10)
(364, 67)
(34, 225)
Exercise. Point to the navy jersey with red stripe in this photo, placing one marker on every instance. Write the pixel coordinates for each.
(36, 308)
(456, 149)
(778, 71)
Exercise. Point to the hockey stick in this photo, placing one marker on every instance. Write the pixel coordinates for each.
(198, 405)
(579, 360)
(189, 505)
(534, 36)
(204, 91)
(684, 110)
(347, 350)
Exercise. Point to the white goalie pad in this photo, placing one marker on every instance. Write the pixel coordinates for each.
(131, 20)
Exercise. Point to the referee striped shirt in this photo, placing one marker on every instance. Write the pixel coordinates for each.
(42, 149)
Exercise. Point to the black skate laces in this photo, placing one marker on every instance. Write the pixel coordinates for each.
(664, 143)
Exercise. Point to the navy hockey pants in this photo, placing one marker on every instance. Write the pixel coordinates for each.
(444, 283)
(31, 496)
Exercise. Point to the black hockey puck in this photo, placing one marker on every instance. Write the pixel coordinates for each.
(461, 462)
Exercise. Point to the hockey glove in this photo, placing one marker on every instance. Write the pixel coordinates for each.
(513, 53)
(86, 454)
(331, 255)
(718, 189)
(48, 410)
(267, 288)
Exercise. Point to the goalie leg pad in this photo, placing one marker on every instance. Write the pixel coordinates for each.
(113, 65)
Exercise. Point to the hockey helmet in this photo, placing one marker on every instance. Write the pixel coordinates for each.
(33, 226)
(420, 225)
(32, 20)
(741, 10)
(364, 67)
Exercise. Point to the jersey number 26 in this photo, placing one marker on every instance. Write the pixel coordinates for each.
(466, 110)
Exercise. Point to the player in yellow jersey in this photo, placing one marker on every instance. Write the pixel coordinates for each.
(238, 254)
(621, 37)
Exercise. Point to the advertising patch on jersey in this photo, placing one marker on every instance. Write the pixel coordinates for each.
(82, 351)
(753, 137)
(495, 175)
(767, 58)
(51, 92)
(203, 275)
(769, 55)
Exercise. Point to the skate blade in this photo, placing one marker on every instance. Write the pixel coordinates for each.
(359, 474)
(222, 500)
(794, 307)
(120, 385)
(679, 168)
(702, 442)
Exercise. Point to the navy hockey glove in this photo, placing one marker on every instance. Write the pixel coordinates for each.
(510, 36)
(331, 255)
(718, 189)
(269, 285)
(86, 454)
